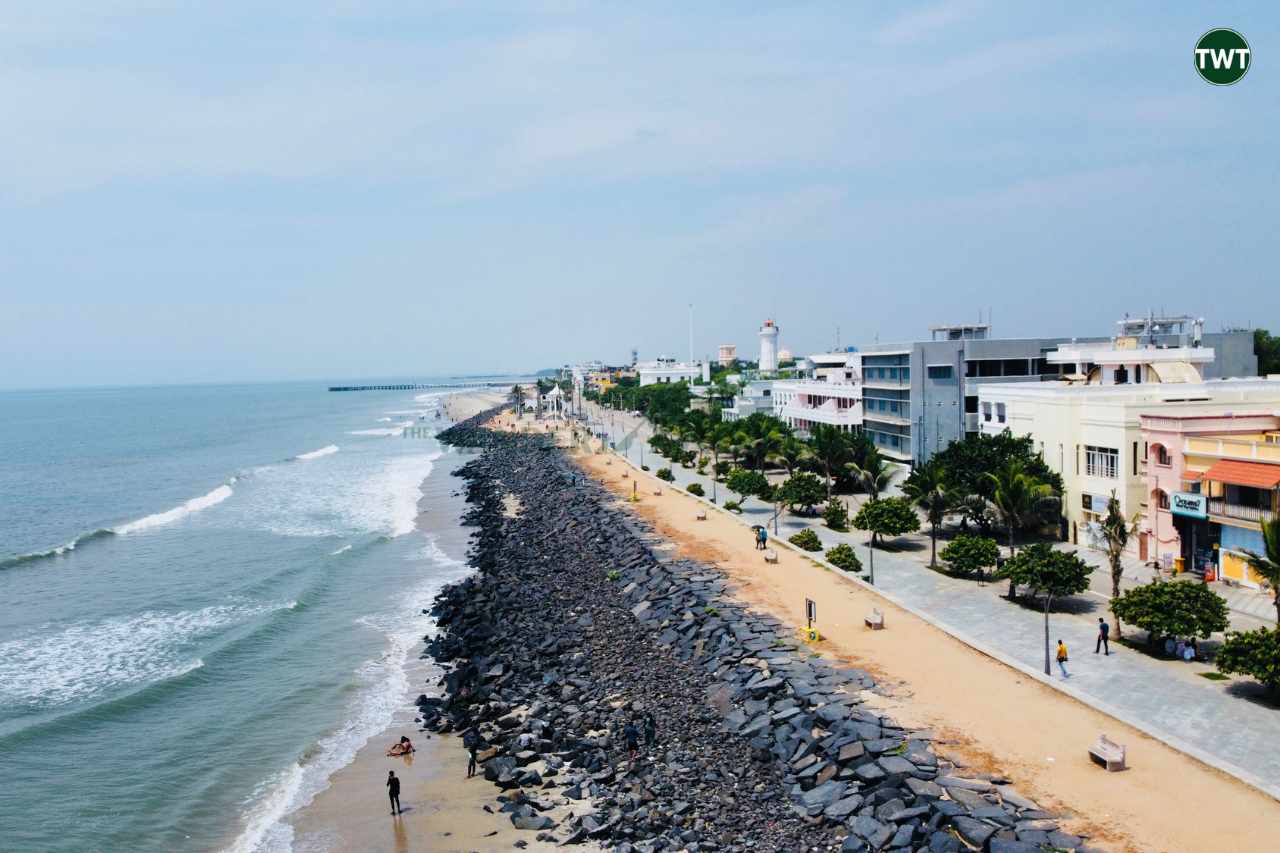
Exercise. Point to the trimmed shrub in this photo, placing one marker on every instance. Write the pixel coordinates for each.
(1253, 653)
(806, 539)
(665, 474)
(733, 506)
(842, 557)
(644, 467)
(967, 555)
(696, 489)
(1172, 609)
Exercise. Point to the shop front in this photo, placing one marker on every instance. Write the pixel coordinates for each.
(1199, 538)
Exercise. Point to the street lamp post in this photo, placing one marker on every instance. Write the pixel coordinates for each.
(871, 560)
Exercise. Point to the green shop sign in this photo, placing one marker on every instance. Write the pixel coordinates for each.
(1189, 504)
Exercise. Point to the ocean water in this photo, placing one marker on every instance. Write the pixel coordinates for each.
(207, 597)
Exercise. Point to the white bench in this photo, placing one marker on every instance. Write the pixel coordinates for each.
(770, 555)
(1107, 753)
(701, 516)
(874, 620)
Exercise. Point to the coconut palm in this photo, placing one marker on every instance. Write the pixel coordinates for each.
(1020, 499)
(830, 448)
(874, 474)
(517, 398)
(927, 489)
(790, 454)
(1268, 563)
(1116, 532)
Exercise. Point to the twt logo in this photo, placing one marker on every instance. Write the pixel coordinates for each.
(1222, 56)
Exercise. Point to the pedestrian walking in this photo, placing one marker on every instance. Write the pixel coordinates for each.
(1062, 659)
(393, 791)
(650, 730)
(471, 741)
(632, 736)
(1104, 631)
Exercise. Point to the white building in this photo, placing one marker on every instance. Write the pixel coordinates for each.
(728, 355)
(1092, 434)
(833, 396)
(666, 370)
(768, 347)
(755, 395)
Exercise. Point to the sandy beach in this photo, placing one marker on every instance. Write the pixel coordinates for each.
(989, 716)
(443, 810)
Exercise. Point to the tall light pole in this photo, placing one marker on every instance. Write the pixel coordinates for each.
(871, 560)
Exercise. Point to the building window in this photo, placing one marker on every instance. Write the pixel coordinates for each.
(1101, 461)
(1000, 412)
(986, 412)
(1162, 500)
(1162, 456)
(940, 371)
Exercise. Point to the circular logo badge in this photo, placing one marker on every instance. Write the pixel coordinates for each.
(1222, 57)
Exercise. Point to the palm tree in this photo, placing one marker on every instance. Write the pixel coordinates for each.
(927, 488)
(517, 399)
(874, 474)
(1116, 531)
(830, 448)
(1020, 498)
(1268, 564)
(790, 454)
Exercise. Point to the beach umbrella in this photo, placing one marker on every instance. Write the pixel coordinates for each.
(757, 527)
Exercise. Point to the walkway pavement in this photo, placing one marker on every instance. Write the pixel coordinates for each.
(1220, 722)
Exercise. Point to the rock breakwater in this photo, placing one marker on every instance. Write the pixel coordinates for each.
(580, 639)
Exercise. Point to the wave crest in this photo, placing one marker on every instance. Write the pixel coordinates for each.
(316, 454)
(213, 498)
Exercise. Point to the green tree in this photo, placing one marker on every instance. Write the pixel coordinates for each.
(665, 474)
(1053, 573)
(968, 555)
(803, 490)
(842, 557)
(1172, 609)
(747, 483)
(927, 487)
(1021, 500)
(1267, 563)
(1267, 348)
(790, 454)
(873, 473)
(887, 517)
(834, 515)
(1253, 653)
(966, 462)
(1116, 532)
(517, 398)
(830, 449)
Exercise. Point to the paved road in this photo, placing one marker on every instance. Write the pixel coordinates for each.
(1168, 696)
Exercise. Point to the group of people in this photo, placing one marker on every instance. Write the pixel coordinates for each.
(632, 732)
(402, 747)
(1102, 644)
(762, 538)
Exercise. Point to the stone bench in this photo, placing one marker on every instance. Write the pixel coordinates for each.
(770, 555)
(701, 516)
(1107, 753)
(874, 620)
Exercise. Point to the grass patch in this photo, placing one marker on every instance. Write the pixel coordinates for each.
(1213, 676)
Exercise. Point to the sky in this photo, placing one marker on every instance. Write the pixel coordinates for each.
(235, 191)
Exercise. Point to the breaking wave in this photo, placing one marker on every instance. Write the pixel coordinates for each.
(316, 454)
(213, 498)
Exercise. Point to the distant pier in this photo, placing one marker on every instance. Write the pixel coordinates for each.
(416, 387)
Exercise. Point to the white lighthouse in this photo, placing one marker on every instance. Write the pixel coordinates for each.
(768, 347)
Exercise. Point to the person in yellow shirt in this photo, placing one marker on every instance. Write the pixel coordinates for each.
(1062, 659)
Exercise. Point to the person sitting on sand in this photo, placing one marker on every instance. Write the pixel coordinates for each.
(404, 747)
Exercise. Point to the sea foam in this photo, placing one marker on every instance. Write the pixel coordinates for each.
(181, 511)
(316, 454)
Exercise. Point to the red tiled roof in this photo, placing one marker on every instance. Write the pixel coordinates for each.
(1253, 474)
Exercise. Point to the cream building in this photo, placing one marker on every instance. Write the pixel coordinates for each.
(1092, 435)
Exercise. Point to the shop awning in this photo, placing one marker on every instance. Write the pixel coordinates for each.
(1254, 474)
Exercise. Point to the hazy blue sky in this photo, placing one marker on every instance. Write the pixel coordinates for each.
(198, 191)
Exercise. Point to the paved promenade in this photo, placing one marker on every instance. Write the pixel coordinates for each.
(1167, 698)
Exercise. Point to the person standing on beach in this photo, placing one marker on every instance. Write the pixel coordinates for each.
(1104, 632)
(1062, 659)
(471, 741)
(393, 791)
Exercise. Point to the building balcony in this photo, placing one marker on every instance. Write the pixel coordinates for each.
(1219, 506)
(971, 422)
(885, 418)
(822, 415)
(1227, 448)
(896, 384)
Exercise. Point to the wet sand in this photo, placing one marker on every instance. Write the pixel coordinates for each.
(989, 716)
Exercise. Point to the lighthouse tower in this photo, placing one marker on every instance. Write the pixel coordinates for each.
(768, 347)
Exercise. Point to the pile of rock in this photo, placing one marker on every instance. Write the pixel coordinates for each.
(576, 626)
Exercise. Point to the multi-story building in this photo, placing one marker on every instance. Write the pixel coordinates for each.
(1092, 435)
(728, 355)
(921, 396)
(754, 395)
(665, 370)
(1211, 480)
